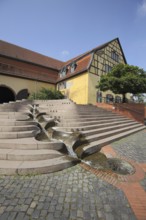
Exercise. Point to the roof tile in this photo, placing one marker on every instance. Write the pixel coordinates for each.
(20, 53)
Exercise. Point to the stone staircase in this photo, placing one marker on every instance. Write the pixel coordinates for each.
(20, 151)
(98, 127)
(85, 128)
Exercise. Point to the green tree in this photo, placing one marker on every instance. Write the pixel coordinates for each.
(124, 79)
(46, 94)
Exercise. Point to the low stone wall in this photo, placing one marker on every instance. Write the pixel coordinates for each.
(134, 111)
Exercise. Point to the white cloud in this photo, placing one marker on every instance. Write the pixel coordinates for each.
(142, 8)
(65, 53)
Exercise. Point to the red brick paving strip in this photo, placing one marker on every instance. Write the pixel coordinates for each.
(129, 184)
(143, 166)
(137, 198)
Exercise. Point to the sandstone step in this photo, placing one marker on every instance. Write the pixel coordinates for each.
(72, 110)
(115, 131)
(19, 134)
(86, 123)
(28, 155)
(18, 128)
(96, 126)
(96, 146)
(15, 117)
(105, 129)
(16, 123)
(30, 144)
(11, 113)
(36, 167)
(76, 116)
(69, 120)
(71, 113)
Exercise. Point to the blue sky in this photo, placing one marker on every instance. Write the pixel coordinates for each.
(63, 29)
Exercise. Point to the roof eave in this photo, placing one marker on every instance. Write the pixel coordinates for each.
(72, 75)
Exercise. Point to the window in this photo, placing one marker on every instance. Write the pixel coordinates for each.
(118, 99)
(107, 68)
(73, 67)
(63, 72)
(99, 96)
(115, 56)
(62, 85)
(109, 98)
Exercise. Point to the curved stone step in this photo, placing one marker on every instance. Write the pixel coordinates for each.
(65, 116)
(90, 148)
(36, 167)
(28, 155)
(115, 131)
(73, 120)
(105, 129)
(86, 123)
(90, 127)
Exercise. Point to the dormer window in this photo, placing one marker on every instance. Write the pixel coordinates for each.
(73, 67)
(63, 72)
(115, 56)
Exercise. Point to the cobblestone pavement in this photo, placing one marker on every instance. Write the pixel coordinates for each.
(74, 193)
(132, 147)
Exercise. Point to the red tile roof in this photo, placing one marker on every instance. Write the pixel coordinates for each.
(82, 66)
(83, 61)
(11, 50)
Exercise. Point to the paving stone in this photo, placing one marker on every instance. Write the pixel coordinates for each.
(44, 213)
(30, 211)
(50, 216)
(2, 199)
(132, 147)
(12, 215)
(28, 201)
(33, 205)
(36, 214)
(20, 215)
(80, 213)
(51, 208)
(2, 208)
(4, 216)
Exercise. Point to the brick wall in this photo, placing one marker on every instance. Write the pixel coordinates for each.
(131, 110)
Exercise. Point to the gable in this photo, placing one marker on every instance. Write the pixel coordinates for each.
(106, 57)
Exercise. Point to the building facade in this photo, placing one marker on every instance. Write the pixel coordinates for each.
(23, 71)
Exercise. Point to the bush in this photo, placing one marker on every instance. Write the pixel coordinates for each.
(46, 94)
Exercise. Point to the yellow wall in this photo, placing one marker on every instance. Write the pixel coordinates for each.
(92, 90)
(92, 82)
(18, 84)
(77, 89)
